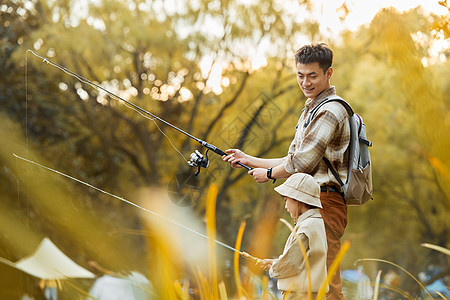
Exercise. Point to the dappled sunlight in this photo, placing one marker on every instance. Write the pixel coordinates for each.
(425, 102)
(178, 263)
(110, 186)
(186, 246)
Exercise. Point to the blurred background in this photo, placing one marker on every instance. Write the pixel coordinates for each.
(224, 72)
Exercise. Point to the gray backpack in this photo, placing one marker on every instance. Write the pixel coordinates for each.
(358, 189)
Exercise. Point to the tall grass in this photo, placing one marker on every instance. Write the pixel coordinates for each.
(211, 231)
(397, 266)
(305, 258)
(174, 267)
(398, 290)
(237, 246)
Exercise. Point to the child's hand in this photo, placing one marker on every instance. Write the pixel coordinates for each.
(265, 264)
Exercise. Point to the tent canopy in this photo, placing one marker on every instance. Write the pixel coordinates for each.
(48, 262)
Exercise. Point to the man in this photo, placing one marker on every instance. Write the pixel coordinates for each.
(327, 135)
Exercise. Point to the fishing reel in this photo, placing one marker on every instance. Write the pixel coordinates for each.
(198, 160)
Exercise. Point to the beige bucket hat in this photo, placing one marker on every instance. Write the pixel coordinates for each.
(301, 187)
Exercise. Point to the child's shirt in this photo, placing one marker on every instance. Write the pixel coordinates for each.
(290, 267)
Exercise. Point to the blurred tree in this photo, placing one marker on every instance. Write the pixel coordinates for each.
(198, 65)
(172, 63)
(441, 25)
(402, 99)
(16, 25)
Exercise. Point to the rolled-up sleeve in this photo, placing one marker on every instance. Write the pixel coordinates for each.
(308, 147)
(291, 261)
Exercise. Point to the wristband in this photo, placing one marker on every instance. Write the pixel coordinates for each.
(269, 173)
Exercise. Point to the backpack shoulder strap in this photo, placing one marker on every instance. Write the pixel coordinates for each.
(325, 101)
(335, 174)
(313, 112)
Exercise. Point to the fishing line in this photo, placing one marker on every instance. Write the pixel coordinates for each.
(97, 87)
(196, 159)
(124, 200)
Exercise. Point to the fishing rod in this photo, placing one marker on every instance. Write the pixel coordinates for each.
(243, 254)
(197, 159)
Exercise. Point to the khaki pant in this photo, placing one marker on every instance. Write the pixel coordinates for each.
(334, 214)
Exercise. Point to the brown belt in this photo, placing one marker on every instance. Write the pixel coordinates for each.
(328, 188)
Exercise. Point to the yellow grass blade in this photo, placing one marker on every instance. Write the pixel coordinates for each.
(222, 291)
(237, 246)
(186, 289)
(396, 290)
(178, 289)
(439, 166)
(211, 232)
(265, 288)
(437, 248)
(377, 286)
(333, 268)
(202, 285)
(303, 250)
(391, 263)
(167, 274)
(442, 296)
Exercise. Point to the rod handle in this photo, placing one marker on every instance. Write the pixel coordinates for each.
(248, 256)
(247, 167)
(220, 152)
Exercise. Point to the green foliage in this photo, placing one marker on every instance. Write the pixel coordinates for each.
(166, 59)
(403, 107)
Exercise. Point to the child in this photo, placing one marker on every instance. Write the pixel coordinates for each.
(302, 195)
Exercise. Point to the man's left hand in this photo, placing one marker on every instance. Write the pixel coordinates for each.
(259, 174)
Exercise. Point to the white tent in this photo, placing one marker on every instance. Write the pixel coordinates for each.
(135, 286)
(49, 263)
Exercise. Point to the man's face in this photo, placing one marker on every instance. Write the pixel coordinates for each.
(312, 80)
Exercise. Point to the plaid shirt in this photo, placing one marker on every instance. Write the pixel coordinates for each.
(327, 135)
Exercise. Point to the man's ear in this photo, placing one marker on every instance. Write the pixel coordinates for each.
(329, 73)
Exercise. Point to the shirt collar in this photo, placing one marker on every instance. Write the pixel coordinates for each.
(307, 214)
(311, 103)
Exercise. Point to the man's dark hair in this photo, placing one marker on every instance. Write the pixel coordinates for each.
(315, 53)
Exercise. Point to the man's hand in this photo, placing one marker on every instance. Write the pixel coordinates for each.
(259, 174)
(265, 264)
(235, 156)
